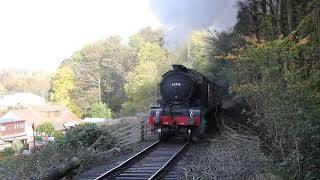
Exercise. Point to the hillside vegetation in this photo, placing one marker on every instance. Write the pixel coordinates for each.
(272, 59)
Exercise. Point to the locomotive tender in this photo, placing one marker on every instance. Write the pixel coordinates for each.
(188, 104)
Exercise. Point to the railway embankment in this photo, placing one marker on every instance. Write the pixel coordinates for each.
(233, 154)
(88, 152)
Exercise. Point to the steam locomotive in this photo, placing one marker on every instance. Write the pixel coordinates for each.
(189, 104)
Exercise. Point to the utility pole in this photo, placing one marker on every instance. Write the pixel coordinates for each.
(34, 139)
(188, 52)
(99, 81)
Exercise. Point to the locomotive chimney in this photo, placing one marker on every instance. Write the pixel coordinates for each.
(177, 67)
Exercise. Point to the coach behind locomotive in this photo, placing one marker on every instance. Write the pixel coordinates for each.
(187, 103)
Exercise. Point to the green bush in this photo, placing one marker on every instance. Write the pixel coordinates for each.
(45, 127)
(285, 103)
(100, 110)
(38, 138)
(73, 144)
(7, 152)
(57, 135)
(17, 145)
(85, 135)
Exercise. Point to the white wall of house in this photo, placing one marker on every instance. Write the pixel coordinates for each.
(29, 131)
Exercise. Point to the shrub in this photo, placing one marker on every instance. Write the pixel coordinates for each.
(38, 138)
(17, 145)
(74, 143)
(7, 152)
(285, 104)
(57, 135)
(85, 135)
(100, 110)
(46, 127)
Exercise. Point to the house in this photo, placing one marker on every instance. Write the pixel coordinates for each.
(11, 129)
(21, 99)
(60, 116)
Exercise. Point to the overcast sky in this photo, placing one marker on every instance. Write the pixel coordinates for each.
(39, 34)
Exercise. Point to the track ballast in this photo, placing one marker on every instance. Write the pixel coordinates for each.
(150, 163)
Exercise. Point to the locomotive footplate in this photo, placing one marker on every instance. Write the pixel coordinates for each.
(174, 121)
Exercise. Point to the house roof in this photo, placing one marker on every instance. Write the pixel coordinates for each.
(21, 98)
(34, 115)
(49, 107)
(7, 120)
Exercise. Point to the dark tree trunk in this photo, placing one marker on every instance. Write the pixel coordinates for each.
(263, 4)
(271, 7)
(290, 15)
(279, 16)
(255, 18)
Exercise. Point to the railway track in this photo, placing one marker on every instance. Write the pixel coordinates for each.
(150, 163)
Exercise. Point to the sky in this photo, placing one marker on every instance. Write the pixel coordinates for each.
(40, 34)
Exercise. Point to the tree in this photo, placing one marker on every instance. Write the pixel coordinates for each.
(62, 84)
(152, 35)
(118, 59)
(46, 128)
(142, 83)
(12, 81)
(2, 88)
(100, 110)
(279, 16)
(101, 69)
(198, 52)
(277, 71)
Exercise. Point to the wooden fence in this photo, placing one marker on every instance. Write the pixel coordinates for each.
(129, 130)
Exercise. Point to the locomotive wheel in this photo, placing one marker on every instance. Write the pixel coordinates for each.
(195, 133)
(189, 135)
(163, 134)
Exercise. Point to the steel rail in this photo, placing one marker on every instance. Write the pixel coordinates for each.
(135, 167)
(157, 174)
(127, 161)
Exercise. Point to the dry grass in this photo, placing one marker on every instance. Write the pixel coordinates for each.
(224, 158)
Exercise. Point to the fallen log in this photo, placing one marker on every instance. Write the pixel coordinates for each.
(62, 169)
(69, 165)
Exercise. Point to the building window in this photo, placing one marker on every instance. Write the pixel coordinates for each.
(3, 128)
(19, 126)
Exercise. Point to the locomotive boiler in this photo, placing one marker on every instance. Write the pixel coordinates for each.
(189, 104)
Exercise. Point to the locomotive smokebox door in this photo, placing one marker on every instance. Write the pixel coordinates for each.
(176, 88)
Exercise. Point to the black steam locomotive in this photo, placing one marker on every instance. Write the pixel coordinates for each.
(188, 105)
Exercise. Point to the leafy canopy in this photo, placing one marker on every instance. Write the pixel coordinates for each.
(142, 85)
(46, 128)
(100, 110)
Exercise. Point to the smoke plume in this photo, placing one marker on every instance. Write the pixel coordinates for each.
(180, 17)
